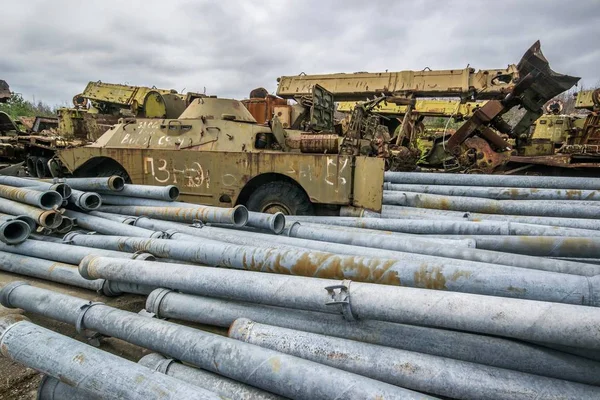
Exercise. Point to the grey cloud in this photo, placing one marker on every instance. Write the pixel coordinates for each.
(52, 49)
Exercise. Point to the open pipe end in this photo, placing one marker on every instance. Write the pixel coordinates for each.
(47, 388)
(277, 223)
(66, 225)
(116, 183)
(50, 219)
(173, 192)
(14, 231)
(28, 220)
(63, 189)
(89, 201)
(240, 216)
(290, 230)
(50, 199)
(240, 329)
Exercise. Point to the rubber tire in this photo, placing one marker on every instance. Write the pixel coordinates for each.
(291, 196)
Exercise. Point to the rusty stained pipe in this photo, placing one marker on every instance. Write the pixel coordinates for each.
(480, 349)
(447, 227)
(266, 369)
(529, 320)
(237, 216)
(105, 226)
(389, 211)
(498, 193)
(494, 280)
(46, 200)
(474, 204)
(47, 218)
(98, 373)
(166, 193)
(521, 181)
(113, 183)
(422, 372)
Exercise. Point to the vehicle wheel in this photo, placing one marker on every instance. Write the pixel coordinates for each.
(31, 162)
(282, 197)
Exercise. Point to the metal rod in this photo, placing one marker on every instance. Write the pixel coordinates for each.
(266, 369)
(417, 371)
(480, 349)
(92, 370)
(521, 319)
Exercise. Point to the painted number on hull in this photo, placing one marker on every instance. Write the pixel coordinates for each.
(164, 172)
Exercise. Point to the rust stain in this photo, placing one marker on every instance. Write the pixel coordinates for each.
(275, 364)
(459, 273)
(516, 290)
(79, 358)
(430, 278)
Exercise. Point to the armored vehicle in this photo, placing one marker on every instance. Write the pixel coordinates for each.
(4, 91)
(217, 154)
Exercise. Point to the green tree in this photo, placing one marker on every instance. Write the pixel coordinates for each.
(17, 106)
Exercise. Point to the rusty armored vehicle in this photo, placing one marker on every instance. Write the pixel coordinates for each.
(4, 91)
(218, 154)
(480, 144)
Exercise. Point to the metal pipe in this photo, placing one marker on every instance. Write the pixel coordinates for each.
(89, 369)
(166, 193)
(66, 225)
(521, 319)
(61, 252)
(474, 204)
(46, 218)
(251, 238)
(448, 227)
(113, 183)
(46, 200)
(428, 247)
(521, 181)
(62, 188)
(495, 280)
(123, 219)
(266, 369)
(205, 379)
(427, 213)
(269, 222)
(52, 389)
(480, 349)
(107, 227)
(237, 216)
(28, 220)
(498, 193)
(416, 371)
(14, 232)
(88, 201)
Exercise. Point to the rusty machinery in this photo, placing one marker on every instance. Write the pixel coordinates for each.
(478, 145)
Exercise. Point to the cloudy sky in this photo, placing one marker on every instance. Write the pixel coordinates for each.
(51, 49)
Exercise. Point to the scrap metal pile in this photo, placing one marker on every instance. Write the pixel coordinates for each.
(500, 307)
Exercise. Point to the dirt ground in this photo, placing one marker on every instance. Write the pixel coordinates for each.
(21, 383)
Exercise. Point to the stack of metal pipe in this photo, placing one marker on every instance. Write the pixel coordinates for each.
(318, 307)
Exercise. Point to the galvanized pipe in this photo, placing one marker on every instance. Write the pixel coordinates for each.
(266, 369)
(427, 213)
(205, 379)
(52, 389)
(416, 371)
(165, 193)
(520, 181)
(61, 252)
(446, 227)
(112, 183)
(521, 319)
(105, 226)
(62, 188)
(474, 204)
(28, 220)
(123, 219)
(495, 280)
(94, 371)
(46, 218)
(237, 216)
(87, 201)
(14, 231)
(498, 193)
(269, 222)
(67, 224)
(46, 200)
(480, 349)
(293, 243)
(428, 247)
